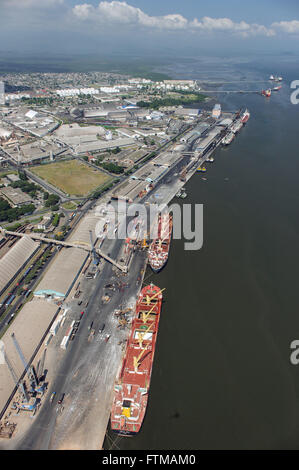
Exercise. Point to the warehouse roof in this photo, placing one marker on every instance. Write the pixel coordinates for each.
(61, 273)
(68, 262)
(81, 233)
(15, 259)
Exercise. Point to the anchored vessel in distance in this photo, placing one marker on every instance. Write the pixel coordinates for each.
(159, 249)
(266, 93)
(132, 388)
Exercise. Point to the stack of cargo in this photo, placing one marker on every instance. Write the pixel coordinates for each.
(66, 338)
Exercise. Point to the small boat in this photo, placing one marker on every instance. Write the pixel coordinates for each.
(276, 88)
(201, 169)
(275, 78)
(266, 93)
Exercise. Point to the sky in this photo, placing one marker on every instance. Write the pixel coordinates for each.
(148, 27)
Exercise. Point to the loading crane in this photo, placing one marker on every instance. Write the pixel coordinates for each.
(95, 256)
(21, 386)
(29, 369)
(40, 367)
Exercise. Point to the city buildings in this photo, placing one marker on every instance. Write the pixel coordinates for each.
(2, 94)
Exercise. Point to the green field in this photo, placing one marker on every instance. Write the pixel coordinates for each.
(72, 177)
(69, 206)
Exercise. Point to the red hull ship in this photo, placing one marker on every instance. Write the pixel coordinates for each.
(245, 116)
(159, 249)
(132, 387)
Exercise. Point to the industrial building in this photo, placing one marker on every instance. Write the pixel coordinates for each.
(207, 142)
(216, 112)
(67, 131)
(100, 145)
(130, 189)
(167, 159)
(187, 112)
(15, 196)
(195, 133)
(150, 172)
(41, 149)
(76, 92)
(2, 94)
(100, 111)
(36, 123)
(12, 177)
(15, 259)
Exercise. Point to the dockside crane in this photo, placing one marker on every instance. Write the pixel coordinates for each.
(21, 387)
(95, 256)
(40, 367)
(28, 369)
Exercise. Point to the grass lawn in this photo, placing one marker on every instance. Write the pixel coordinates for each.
(69, 206)
(72, 177)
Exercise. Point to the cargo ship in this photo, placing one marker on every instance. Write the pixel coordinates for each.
(228, 138)
(159, 249)
(245, 116)
(131, 390)
(236, 126)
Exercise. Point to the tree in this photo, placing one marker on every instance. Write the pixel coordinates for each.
(22, 176)
(52, 200)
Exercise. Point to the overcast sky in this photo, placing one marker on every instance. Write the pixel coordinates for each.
(149, 26)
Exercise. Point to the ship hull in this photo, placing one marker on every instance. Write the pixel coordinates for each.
(159, 249)
(158, 269)
(132, 387)
(245, 116)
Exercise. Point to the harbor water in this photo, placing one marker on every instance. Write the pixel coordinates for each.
(222, 376)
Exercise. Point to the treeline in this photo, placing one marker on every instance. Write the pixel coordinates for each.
(108, 166)
(51, 200)
(26, 187)
(14, 213)
(103, 189)
(158, 103)
(38, 101)
(112, 168)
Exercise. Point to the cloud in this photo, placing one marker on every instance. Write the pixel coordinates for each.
(289, 27)
(120, 12)
(227, 25)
